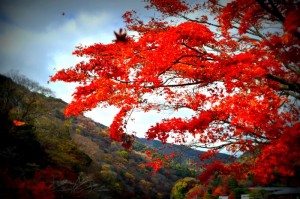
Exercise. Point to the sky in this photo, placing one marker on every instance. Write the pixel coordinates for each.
(38, 37)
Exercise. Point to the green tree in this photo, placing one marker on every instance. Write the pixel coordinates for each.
(182, 187)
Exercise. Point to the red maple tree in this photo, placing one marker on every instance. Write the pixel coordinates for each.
(236, 68)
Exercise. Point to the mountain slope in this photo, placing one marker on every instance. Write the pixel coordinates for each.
(47, 154)
(77, 152)
(184, 154)
(122, 170)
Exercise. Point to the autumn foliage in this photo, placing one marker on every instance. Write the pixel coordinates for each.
(236, 68)
(18, 123)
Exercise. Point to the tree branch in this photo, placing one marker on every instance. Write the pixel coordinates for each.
(175, 85)
(275, 12)
(292, 86)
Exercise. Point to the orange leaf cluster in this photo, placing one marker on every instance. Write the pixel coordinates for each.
(18, 123)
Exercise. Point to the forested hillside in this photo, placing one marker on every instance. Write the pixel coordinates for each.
(185, 154)
(45, 155)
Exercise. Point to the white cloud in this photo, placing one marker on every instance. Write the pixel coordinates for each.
(104, 115)
(93, 21)
(36, 38)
